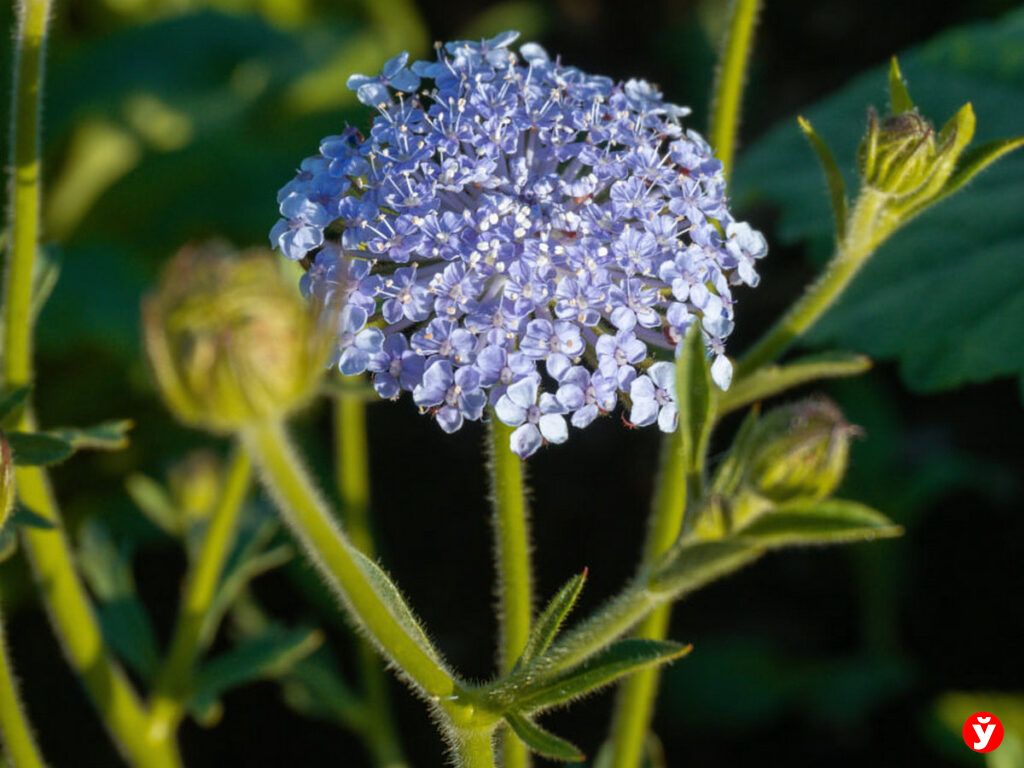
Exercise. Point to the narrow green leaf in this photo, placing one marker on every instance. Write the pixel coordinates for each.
(12, 404)
(26, 517)
(833, 176)
(543, 742)
(314, 687)
(107, 436)
(832, 521)
(730, 472)
(974, 162)
(694, 396)
(691, 564)
(601, 669)
(899, 96)
(38, 449)
(774, 379)
(154, 502)
(548, 624)
(268, 655)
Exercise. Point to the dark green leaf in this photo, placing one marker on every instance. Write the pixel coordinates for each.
(689, 565)
(12, 404)
(23, 516)
(543, 742)
(266, 656)
(546, 628)
(694, 396)
(601, 669)
(833, 521)
(946, 301)
(38, 449)
(774, 379)
(833, 176)
(108, 436)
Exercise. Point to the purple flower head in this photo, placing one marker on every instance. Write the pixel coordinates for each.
(516, 231)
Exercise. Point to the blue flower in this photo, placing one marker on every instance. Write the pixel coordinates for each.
(516, 231)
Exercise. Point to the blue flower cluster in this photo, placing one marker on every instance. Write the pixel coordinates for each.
(517, 232)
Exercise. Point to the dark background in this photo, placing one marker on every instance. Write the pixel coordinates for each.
(820, 657)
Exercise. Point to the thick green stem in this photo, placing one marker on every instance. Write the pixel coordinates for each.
(336, 557)
(634, 704)
(474, 748)
(727, 98)
(49, 551)
(353, 479)
(866, 229)
(172, 682)
(512, 552)
(15, 731)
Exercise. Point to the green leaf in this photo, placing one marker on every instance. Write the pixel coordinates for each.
(774, 379)
(543, 742)
(268, 655)
(690, 564)
(694, 394)
(38, 448)
(23, 516)
(548, 624)
(833, 521)
(12, 404)
(601, 669)
(833, 176)
(974, 161)
(8, 542)
(314, 687)
(154, 502)
(946, 302)
(107, 436)
(899, 96)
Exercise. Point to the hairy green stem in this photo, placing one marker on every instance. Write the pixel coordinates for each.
(49, 551)
(866, 229)
(171, 690)
(512, 552)
(727, 98)
(15, 732)
(331, 551)
(634, 704)
(474, 748)
(352, 472)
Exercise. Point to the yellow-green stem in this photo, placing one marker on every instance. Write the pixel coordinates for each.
(727, 96)
(512, 552)
(634, 705)
(171, 690)
(353, 479)
(866, 229)
(474, 748)
(49, 550)
(332, 552)
(15, 732)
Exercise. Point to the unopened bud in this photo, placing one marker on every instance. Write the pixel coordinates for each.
(898, 153)
(231, 343)
(195, 484)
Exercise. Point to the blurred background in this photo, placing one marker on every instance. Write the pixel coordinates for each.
(168, 121)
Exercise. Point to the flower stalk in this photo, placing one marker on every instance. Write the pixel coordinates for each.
(15, 731)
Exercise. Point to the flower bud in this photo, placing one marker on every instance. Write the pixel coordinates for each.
(230, 342)
(195, 484)
(798, 451)
(898, 153)
(6, 481)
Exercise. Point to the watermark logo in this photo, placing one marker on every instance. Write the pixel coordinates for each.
(983, 732)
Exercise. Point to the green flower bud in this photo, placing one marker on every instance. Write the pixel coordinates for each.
(230, 342)
(798, 451)
(195, 484)
(898, 153)
(6, 481)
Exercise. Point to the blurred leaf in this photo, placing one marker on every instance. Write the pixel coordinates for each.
(12, 405)
(38, 449)
(267, 656)
(29, 519)
(154, 502)
(8, 542)
(831, 521)
(528, 18)
(314, 687)
(541, 741)
(603, 668)
(108, 436)
(123, 619)
(945, 296)
(546, 628)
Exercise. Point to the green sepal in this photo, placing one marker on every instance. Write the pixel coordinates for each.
(548, 624)
(775, 379)
(832, 521)
(12, 405)
(833, 176)
(268, 655)
(694, 396)
(36, 449)
(106, 436)
(691, 564)
(542, 742)
(899, 96)
(601, 669)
